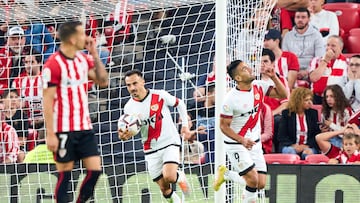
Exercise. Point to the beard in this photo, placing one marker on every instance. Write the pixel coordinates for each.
(302, 27)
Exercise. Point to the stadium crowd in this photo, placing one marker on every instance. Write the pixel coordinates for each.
(309, 54)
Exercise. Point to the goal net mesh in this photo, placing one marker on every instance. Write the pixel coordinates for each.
(171, 42)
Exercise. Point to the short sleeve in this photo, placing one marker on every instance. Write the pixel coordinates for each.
(293, 62)
(90, 61)
(169, 99)
(226, 110)
(51, 75)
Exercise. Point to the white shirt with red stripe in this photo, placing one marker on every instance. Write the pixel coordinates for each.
(70, 77)
(337, 122)
(158, 129)
(9, 147)
(301, 129)
(30, 90)
(335, 73)
(243, 107)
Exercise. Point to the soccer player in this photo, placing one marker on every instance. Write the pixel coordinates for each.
(161, 142)
(69, 133)
(240, 123)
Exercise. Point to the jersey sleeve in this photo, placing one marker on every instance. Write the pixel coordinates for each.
(169, 99)
(90, 61)
(226, 110)
(293, 62)
(51, 74)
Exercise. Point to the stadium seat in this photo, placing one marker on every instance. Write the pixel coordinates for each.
(317, 159)
(330, 6)
(353, 44)
(318, 107)
(354, 31)
(278, 158)
(348, 17)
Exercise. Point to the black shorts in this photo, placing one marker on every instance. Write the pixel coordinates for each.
(76, 145)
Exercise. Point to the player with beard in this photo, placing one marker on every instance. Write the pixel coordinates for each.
(161, 141)
(305, 41)
(239, 121)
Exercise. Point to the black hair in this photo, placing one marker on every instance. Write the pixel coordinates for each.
(210, 87)
(133, 72)
(231, 68)
(67, 29)
(268, 52)
(302, 10)
(355, 56)
(8, 91)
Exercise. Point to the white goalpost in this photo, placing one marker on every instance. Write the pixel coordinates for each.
(173, 43)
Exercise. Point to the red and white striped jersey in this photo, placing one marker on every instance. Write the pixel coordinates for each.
(70, 77)
(287, 62)
(9, 147)
(243, 107)
(158, 129)
(30, 91)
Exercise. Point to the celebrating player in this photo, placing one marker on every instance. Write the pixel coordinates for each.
(69, 131)
(240, 123)
(161, 142)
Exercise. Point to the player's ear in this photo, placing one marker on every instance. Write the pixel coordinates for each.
(238, 78)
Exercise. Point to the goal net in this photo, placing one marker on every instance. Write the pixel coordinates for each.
(171, 42)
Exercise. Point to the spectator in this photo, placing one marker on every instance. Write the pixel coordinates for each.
(9, 144)
(15, 116)
(276, 105)
(11, 57)
(304, 41)
(29, 87)
(281, 20)
(328, 70)
(3, 30)
(193, 149)
(293, 5)
(204, 112)
(298, 125)
(350, 153)
(336, 111)
(267, 128)
(325, 21)
(37, 35)
(352, 87)
(330, 150)
(286, 63)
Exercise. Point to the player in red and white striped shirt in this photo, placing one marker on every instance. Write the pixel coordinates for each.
(69, 131)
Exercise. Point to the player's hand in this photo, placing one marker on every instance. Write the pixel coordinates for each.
(52, 142)
(185, 132)
(248, 143)
(124, 135)
(90, 45)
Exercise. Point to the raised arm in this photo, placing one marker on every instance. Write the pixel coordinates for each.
(98, 74)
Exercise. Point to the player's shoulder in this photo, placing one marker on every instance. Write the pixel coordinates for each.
(52, 60)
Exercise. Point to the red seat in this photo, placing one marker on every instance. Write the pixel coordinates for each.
(338, 5)
(348, 17)
(349, 55)
(278, 158)
(354, 31)
(317, 159)
(353, 44)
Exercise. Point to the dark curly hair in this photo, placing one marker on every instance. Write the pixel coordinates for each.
(340, 104)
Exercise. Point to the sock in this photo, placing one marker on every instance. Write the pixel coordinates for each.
(62, 186)
(235, 177)
(172, 197)
(250, 195)
(88, 185)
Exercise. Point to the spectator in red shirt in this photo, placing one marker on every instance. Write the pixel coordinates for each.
(281, 20)
(350, 153)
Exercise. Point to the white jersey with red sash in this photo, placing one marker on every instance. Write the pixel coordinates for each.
(243, 108)
(158, 129)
